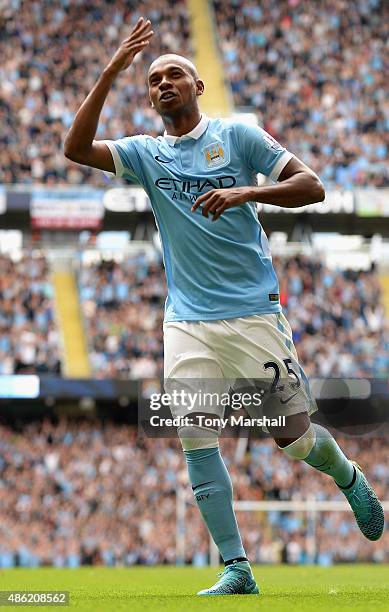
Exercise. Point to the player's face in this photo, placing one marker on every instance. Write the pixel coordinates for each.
(172, 87)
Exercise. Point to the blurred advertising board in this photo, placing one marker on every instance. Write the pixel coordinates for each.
(66, 209)
(348, 211)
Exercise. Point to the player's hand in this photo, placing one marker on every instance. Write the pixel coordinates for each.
(136, 42)
(217, 201)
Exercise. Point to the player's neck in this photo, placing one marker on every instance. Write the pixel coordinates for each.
(181, 124)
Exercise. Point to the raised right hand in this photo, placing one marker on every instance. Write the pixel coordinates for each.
(137, 40)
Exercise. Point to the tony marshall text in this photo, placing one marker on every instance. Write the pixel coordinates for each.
(201, 420)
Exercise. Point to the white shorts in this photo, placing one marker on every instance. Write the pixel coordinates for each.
(246, 352)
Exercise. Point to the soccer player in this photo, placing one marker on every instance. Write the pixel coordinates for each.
(223, 317)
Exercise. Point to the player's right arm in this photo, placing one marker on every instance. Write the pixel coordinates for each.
(79, 145)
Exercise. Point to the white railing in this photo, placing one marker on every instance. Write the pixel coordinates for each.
(311, 506)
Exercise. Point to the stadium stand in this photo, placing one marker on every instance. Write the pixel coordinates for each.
(52, 53)
(337, 317)
(324, 101)
(107, 497)
(123, 310)
(314, 72)
(29, 339)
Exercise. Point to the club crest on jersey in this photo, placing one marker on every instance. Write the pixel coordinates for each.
(214, 155)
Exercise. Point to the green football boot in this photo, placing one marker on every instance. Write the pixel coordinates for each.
(367, 508)
(235, 579)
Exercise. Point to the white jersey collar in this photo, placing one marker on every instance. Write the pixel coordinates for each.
(197, 131)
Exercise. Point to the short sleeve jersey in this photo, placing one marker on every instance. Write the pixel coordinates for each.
(214, 270)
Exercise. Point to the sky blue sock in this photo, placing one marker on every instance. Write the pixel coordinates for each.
(212, 488)
(326, 456)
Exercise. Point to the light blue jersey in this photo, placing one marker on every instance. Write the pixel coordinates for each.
(215, 270)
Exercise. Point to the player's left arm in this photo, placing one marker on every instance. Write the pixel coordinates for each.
(297, 186)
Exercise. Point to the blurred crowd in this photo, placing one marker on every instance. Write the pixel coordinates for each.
(315, 72)
(52, 53)
(29, 340)
(337, 317)
(122, 304)
(315, 75)
(79, 492)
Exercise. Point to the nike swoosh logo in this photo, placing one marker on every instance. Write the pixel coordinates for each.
(201, 485)
(163, 161)
(289, 398)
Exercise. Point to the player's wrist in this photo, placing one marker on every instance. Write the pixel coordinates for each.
(110, 72)
(252, 194)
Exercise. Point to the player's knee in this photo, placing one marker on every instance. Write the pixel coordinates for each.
(296, 428)
(193, 437)
(301, 447)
